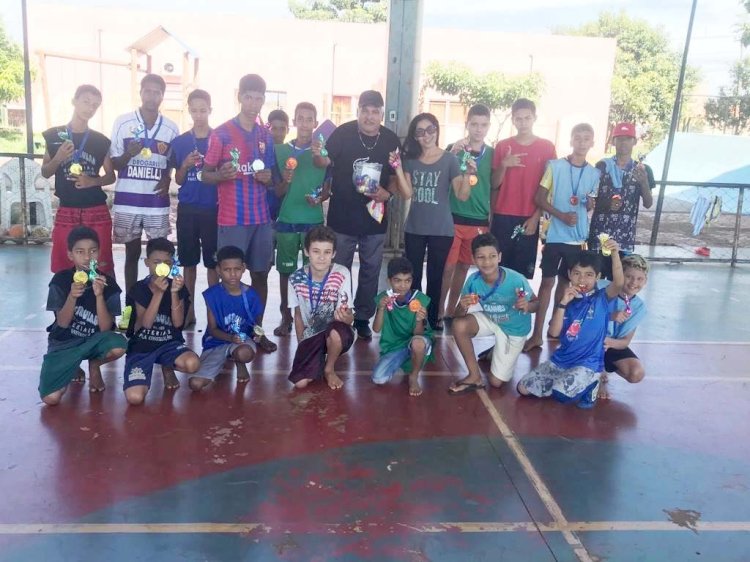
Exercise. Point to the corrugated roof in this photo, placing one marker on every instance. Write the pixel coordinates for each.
(155, 37)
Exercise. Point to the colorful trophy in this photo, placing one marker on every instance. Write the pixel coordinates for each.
(235, 155)
(344, 301)
(464, 161)
(63, 135)
(396, 160)
(291, 163)
(323, 150)
(162, 270)
(603, 237)
(392, 296)
(137, 132)
(80, 277)
(236, 328)
(175, 269)
(92, 270)
(316, 193)
(519, 230)
(628, 309)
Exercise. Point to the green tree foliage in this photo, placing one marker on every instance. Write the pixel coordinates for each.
(493, 89)
(731, 110)
(11, 69)
(356, 11)
(745, 27)
(646, 72)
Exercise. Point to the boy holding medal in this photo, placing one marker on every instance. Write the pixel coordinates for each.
(625, 183)
(85, 304)
(196, 208)
(566, 193)
(141, 142)
(495, 301)
(406, 339)
(301, 193)
(580, 321)
(75, 154)
(233, 310)
(320, 295)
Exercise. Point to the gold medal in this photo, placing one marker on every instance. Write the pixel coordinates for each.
(80, 277)
(146, 153)
(162, 270)
(76, 169)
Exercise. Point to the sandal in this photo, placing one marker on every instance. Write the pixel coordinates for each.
(283, 329)
(462, 387)
(266, 345)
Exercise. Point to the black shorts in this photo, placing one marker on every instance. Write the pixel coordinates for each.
(613, 355)
(196, 231)
(556, 256)
(518, 254)
(607, 265)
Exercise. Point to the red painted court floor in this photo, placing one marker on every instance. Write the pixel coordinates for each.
(262, 472)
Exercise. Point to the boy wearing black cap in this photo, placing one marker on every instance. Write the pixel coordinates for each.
(357, 153)
(242, 150)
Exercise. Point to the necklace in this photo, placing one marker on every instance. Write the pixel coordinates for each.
(361, 140)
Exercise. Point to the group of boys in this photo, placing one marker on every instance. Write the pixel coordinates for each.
(240, 178)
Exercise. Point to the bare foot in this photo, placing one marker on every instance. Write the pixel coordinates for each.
(414, 388)
(285, 328)
(532, 343)
(333, 380)
(96, 383)
(303, 383)
(170, 379)
(604, 393)
(243, 375)
(80, 376)
(197, 384)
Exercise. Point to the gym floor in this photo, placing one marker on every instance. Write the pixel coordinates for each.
(661, 472)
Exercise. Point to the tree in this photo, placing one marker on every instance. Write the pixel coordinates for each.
(11, 69)
(731, 110)
(745, 27)
(356, 11)
(646, 72)
(493, 89)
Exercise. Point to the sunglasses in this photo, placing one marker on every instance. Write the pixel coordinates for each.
(419, 133)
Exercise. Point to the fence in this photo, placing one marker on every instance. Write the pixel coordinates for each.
(669, 236)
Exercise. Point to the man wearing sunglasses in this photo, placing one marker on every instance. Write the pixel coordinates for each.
(356, 155)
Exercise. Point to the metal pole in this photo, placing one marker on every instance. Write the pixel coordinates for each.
(673, 128)
(27, 82)
(737, 226)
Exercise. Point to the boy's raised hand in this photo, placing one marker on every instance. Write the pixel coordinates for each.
(459, 145)
(619, 317)
(134, 147)
(227, 172)
(511, 160)
(263, 176)
(287, 175)
(383, 304)
(344, 314)
(64, 152)
(191, 160)
(522, 304)
(316, 147)
(611, 245)
(77, 289)
(421, 314)
(177, 283)
(98, 285)
(466, 301)
(159, 284)
(570, 293)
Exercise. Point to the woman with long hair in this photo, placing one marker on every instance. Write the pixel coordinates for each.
(426, 175)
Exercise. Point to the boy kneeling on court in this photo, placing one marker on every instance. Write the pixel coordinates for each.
(320, 294)
(495, 301)
(406, 340)
(580, 321)
(155, 329)
(233, 310)
(85, 304)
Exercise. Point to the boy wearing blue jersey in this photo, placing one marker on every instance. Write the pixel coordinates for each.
(197, 201)
(626, 312)
(580, 321)
(566, 193)
(233, 310)
(495, 301)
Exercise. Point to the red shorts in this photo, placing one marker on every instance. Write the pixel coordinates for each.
(460, 251)
(96, 218)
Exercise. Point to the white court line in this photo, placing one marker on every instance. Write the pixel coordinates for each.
(363, 528)
(546, 496)
(648, 342)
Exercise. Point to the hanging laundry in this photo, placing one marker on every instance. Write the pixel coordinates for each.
(705, 211)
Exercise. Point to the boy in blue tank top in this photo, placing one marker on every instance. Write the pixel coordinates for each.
(580, 320)
(495, 301)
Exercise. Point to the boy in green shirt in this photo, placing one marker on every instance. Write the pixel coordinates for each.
(301, 207)
(406, 340)
(470, 217)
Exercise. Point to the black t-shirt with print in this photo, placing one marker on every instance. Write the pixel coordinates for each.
(85, 321)
(347, 211)
(162, 330)
(90, 158)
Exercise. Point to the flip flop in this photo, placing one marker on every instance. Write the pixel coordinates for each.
(266, 345)
(467, 387)
(283, 329)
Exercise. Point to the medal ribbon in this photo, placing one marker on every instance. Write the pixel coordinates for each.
(407, 300)
(580, 176)
(78, 151)
(146, 143)
(495, 287)
(315, 303)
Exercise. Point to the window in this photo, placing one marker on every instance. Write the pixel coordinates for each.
(275, 99)
(448, 113)
(341, 109)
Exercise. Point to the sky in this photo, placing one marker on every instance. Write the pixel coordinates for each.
(714, 46)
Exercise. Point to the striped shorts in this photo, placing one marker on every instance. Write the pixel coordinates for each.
(129, 227)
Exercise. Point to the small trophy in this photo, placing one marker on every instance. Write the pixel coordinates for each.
(392, 296)
(518, 231)
(323, 149)
(464, 161)
(235, 154)
(137, 132)
(63, 135)
(603, 237)
(175, 269)
(92, 270)
(236, 328)
(396, 160)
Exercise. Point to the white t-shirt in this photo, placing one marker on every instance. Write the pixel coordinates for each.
(317, 312)
(134, 190)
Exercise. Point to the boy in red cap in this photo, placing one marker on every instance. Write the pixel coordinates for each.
(624, 183)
